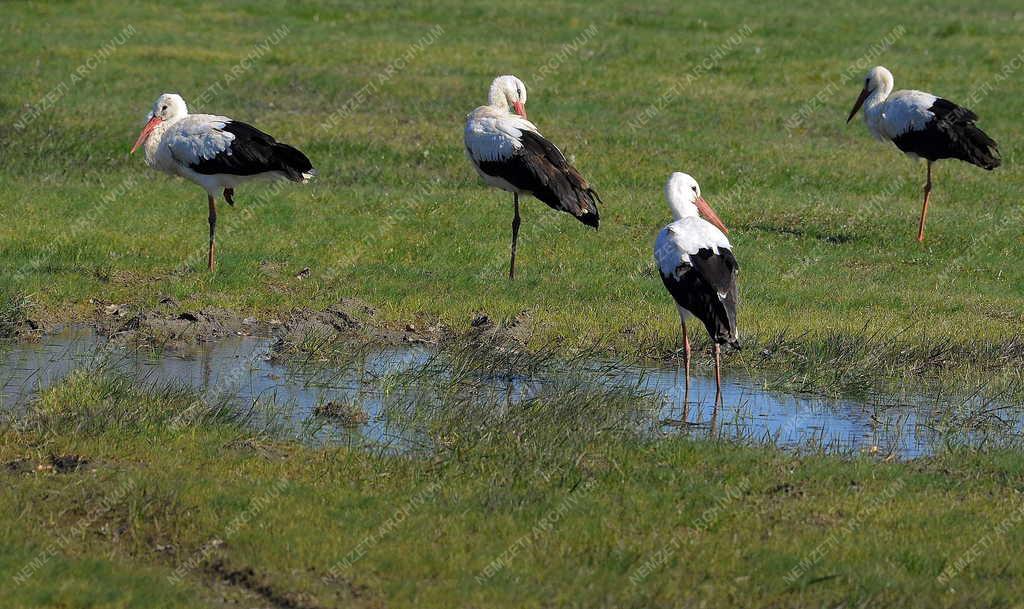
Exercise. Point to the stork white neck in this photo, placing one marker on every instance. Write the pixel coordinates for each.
(496, 97)
(169, 108)
(505, 92)
(682, 192)
(879, 82)
(152, 143)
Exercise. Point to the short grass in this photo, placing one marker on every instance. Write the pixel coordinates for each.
(822, 216)
(544, 507)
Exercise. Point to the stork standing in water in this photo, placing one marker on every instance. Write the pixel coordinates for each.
(509, 153)
(696, 264)
(923, 126)
(216, 153)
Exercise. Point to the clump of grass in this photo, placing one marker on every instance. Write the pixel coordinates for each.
(540, 411)
(835, 364)
(872, 361)
(91, 402)
(982, 417)
(346, 414)
(320, 348)
(14, 310)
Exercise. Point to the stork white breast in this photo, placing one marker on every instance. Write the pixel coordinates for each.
(683, 238)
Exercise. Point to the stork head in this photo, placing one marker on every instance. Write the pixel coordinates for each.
(508, 93)
(683, 194)
(877, 83)
(167, 107)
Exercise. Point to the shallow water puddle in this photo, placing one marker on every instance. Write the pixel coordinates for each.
(237, 368)
(241, 370)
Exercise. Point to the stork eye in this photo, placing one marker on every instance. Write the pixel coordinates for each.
(163, 108)
(693, 188)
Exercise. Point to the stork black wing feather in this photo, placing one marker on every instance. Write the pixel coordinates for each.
(540, 168)
(952, 134)
(253, 152)
(706, 287)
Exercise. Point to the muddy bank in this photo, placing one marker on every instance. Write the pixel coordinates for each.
(170, 323)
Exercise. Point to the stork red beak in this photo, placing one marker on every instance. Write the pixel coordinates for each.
(520, 108)
(709, 214)
(153, 122)
(860, 102)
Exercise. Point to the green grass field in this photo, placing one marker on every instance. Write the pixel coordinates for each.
(822, 216)
(749, 98)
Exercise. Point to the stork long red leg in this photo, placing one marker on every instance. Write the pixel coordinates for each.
(718, 374)
(515, 236)
(924, 209)
(686, 366)
(211, 261)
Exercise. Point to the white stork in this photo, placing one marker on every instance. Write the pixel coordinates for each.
(215, 152)
(699, 270)
(923, 125)
(509, 153)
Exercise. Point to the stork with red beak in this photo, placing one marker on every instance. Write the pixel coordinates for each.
(216, 153)
(923, 126)
(509, 153)
(699, 270)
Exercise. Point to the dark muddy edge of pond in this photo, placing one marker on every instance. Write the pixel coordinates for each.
(350, 319)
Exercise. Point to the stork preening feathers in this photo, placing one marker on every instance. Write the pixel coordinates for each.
(698, 268)
(509, 153)
(216, 153)
(923, 126)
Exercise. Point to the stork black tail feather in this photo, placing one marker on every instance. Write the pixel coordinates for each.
(579, 201)
(963, 139)
(590, 216)
(732, 342)
(979, 149)
(294, 163)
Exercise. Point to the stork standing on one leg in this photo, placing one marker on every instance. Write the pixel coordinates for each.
(923, 126)
(509, 153)
(699, 270)
(215, 152)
